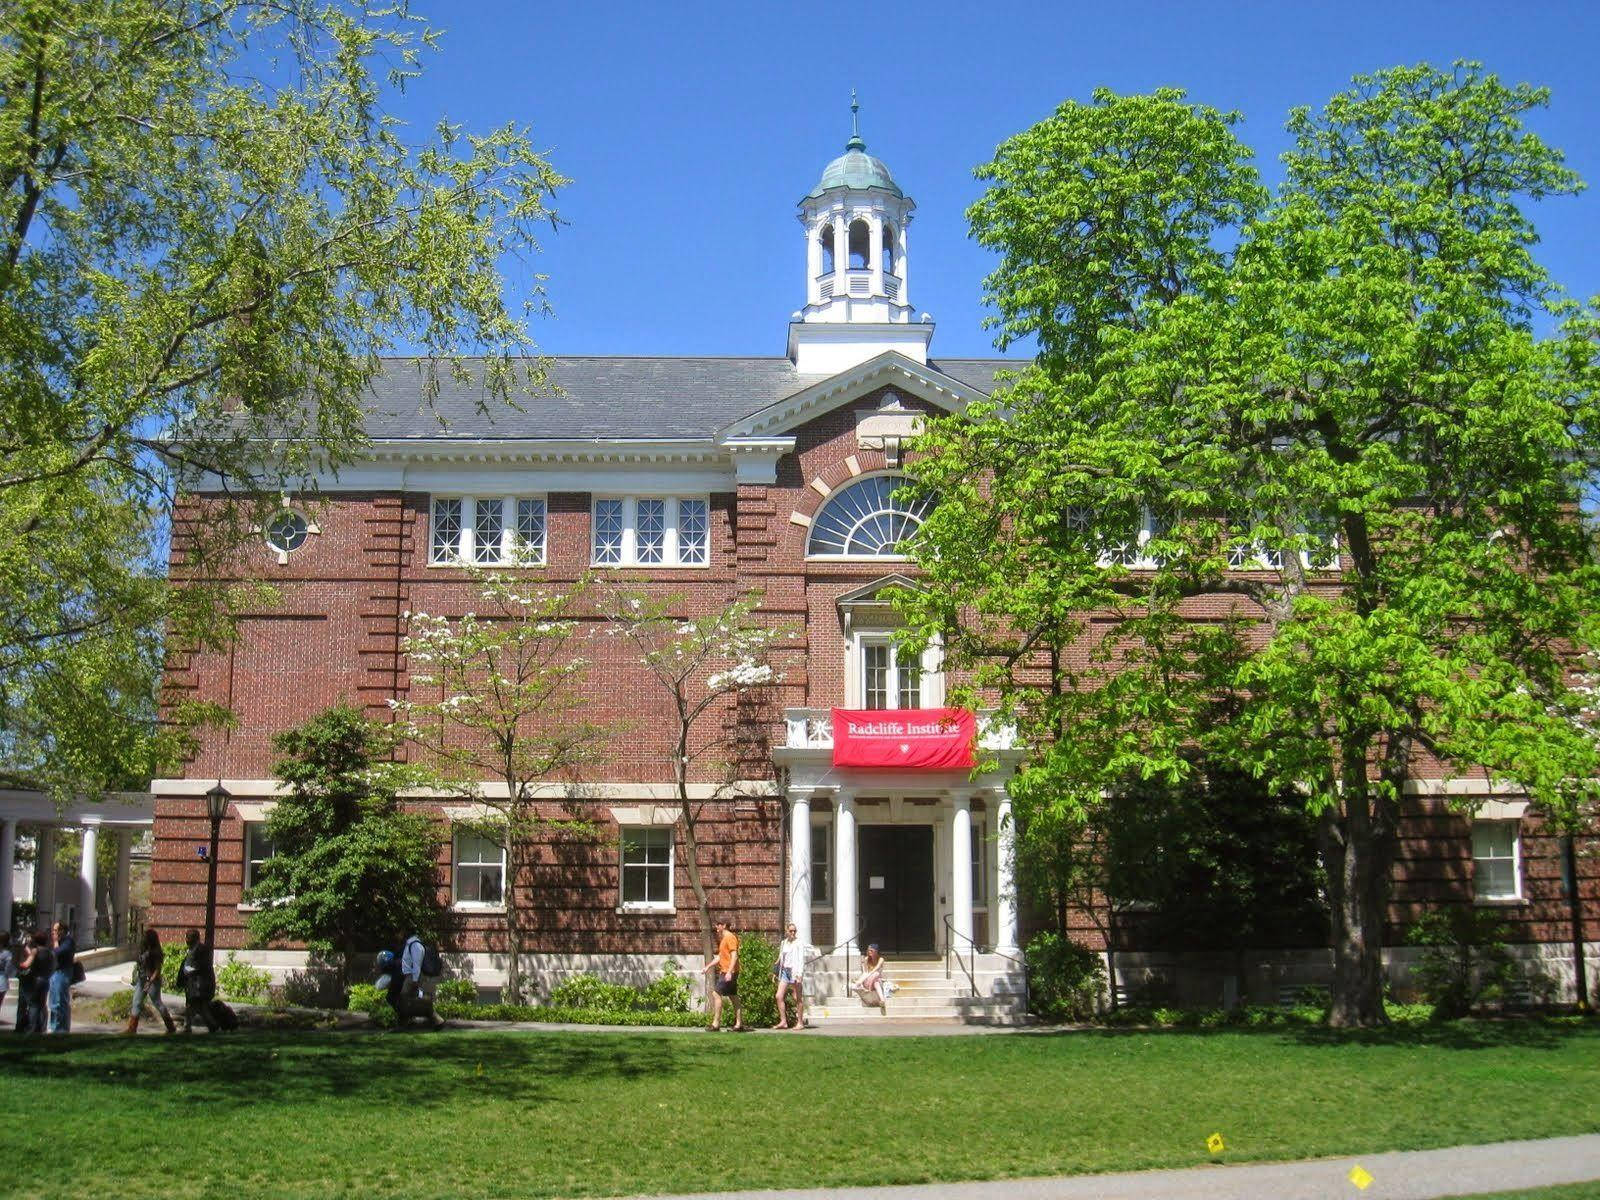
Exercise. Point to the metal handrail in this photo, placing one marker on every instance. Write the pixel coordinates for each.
(861, 928)
(971, 966)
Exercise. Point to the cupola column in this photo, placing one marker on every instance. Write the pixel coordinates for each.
(875, 257)
(901, 259)
(813, 264)
(841, 253)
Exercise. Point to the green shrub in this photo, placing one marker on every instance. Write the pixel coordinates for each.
(1066, 981)
(757, 988)
(1464, 959)
(670, 993)
(453, 1010)
(457, 991)
(241, 981)
(118, 1006)
(364, 998)
(300, 989)
(172, 958)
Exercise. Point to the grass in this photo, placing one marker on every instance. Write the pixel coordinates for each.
(1562, 1191)
(282, 1114)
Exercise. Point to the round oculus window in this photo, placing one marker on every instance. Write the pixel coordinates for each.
(287, 531)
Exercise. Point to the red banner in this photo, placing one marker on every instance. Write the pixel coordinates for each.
(928, 739)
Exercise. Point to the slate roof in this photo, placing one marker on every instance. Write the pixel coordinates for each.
(608, 398)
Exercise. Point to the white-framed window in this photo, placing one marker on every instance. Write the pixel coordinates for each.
(980, 865)
(258, 847)
(821, 862)
(287, 531)
(868, 518)
(651, 531)
(1321, 554)
(646, 864)
(479, 869)
(1496, 860)
(890, 676)
(488, 530)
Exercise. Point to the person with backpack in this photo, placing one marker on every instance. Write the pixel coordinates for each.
(420, 966)
(34, 969)
(199, 983)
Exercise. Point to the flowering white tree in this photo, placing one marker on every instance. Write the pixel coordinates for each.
(507, 709)
(707, 666)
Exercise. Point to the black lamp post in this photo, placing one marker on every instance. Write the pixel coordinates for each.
(216, 808)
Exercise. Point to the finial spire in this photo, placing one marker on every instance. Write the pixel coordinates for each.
(855, 142)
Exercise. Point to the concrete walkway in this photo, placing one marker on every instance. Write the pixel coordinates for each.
(1401, 1175)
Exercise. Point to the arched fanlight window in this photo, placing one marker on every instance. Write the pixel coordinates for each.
(825, 242)
(860, 245)
(888, 249)
(870, 518)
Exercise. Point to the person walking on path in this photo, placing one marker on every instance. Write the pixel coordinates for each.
(199, 983)
(66, 950)
(416, 988)
(147, 983)
(726, 981)
(791, 963)
(33, 982)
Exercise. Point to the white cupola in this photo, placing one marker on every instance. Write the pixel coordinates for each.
(856, 299)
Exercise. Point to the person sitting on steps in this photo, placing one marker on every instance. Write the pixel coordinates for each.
(874, 987)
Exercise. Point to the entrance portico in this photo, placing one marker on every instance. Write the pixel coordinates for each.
(918, 861)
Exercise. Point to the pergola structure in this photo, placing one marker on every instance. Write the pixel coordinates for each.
(123, 814)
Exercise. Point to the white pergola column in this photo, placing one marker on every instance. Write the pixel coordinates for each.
(961, 872)
(8, 871)
(800, 864)
(88, 878)
(844, 866)
(44, 877)
(120, 906)
(1005, 900)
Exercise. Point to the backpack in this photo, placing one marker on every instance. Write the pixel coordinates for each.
(432, 964)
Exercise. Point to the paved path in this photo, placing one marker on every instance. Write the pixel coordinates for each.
(1401, 1175)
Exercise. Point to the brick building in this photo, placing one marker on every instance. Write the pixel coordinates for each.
(704, 478)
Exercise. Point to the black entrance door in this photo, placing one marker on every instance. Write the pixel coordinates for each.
(896, 887)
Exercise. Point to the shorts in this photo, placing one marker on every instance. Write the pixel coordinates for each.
(788, 975)
(726, 986)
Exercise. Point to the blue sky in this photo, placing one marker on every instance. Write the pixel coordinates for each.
(690, 131)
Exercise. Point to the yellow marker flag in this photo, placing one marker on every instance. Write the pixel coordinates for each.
(1214, 1143)
(1360, 1176)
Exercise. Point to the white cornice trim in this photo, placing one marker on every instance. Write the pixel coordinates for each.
(256, 789)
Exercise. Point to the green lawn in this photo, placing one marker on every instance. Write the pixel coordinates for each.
(1565, 1191)
(497, 1114)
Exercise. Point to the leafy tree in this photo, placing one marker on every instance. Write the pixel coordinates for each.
(350, 869)
(1290, 486)
(210, 228)
(504, 708)
(712, 669)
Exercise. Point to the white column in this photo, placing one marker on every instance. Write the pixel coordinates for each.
(875, 252)
(44, 877)
(8, 870)
(844, 866)
(88, 871)
(961, 868)
(901, 266)
(841, 254)
(813, 262)
(119, 890)
(1005, 901)
(800, 864)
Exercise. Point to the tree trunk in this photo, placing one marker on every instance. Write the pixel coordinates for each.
(691, 856)
(512, 993)
(1357, 854)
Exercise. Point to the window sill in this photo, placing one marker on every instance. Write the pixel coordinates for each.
(822, 908)
(248, 908)
(476, 906)
(638, 566)
(646, 909)
(1500, 901)
(458, 564)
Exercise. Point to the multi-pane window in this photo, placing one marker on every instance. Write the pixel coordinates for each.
(647, 531)
(1495, 871)
(488, 530)
(980, 876)
(480, 869)
(890, 677)
(647, 866)
(287, 530)
(821, 863)
(869, 518)
(531, 530)
(258, 847)
(652, 531)
(479, 529)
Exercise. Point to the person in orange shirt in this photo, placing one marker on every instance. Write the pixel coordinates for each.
(726, 981)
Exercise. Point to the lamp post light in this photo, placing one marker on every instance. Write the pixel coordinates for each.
(216, 808)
